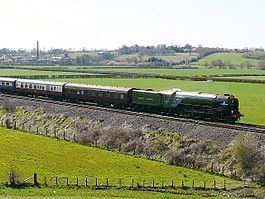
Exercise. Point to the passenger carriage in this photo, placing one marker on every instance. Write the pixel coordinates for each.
(7, 84)
(102, 95)
(37, 87)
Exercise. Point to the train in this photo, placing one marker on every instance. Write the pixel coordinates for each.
(174, 102)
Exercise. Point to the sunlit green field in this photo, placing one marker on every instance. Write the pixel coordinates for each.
(22, 72)
(251, 96)
(29, 153)
(233, 58)
(186, 72)
(247, 77)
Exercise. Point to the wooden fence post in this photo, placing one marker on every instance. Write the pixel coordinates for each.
(56, 181)
(120, 183)
(107, 182)
(37, 130)
(204, 184)
(132, 183)
(77, 182)
(86, 182)
(193, 183)
(45, 181)
(35, 179)
(214, 184)
(212, 167)
(96, 182)
(172, 184)
(224, 184)
(143, 183)
(67, 181)
(64, 135)
(182, 184)
(153, 183)
(162, 183)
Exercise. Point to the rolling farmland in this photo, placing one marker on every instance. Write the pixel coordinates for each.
(233, 58)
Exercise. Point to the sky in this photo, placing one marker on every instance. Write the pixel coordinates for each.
(109, 24)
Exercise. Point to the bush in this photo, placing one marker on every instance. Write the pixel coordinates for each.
(14, 177)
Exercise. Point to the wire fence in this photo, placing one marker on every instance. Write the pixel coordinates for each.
(125, 183)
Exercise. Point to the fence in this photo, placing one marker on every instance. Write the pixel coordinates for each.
(143, 184)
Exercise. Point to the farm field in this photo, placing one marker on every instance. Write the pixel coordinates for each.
(47, 192)
(172, 72)
(251, 95)
(186, 72)
(29, 153)
(21, 72)
(247, 77)
(233, 58)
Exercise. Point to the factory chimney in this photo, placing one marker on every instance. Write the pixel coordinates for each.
(38, 51)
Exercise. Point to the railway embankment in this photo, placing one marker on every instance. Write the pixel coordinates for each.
(222, 136)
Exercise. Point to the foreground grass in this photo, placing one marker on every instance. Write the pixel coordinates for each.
(32, 192)
(49, 157)
(251, 95)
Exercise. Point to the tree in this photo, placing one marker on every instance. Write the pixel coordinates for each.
(246, 152)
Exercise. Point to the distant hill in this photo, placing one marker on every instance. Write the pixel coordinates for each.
(227, 57)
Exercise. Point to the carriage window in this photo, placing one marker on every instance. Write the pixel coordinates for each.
(93, 93)
(100, 94)
(116, 95)
(30, 86)
(35, 86)
(122, 96)
(82, 92)
(54, 88)
(107, 94)
(26, 86)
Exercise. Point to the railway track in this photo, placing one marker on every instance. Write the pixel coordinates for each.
(259, 129)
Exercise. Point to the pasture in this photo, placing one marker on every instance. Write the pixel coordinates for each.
(25, 72)
(251, 95)
(29, 153)
(233, 58)
(186, 72)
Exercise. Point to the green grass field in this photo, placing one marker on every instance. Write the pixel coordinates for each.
(233, 58)
(186, 72)
(251, 95)
(247, 77)
(29, 153)
(21, 72)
